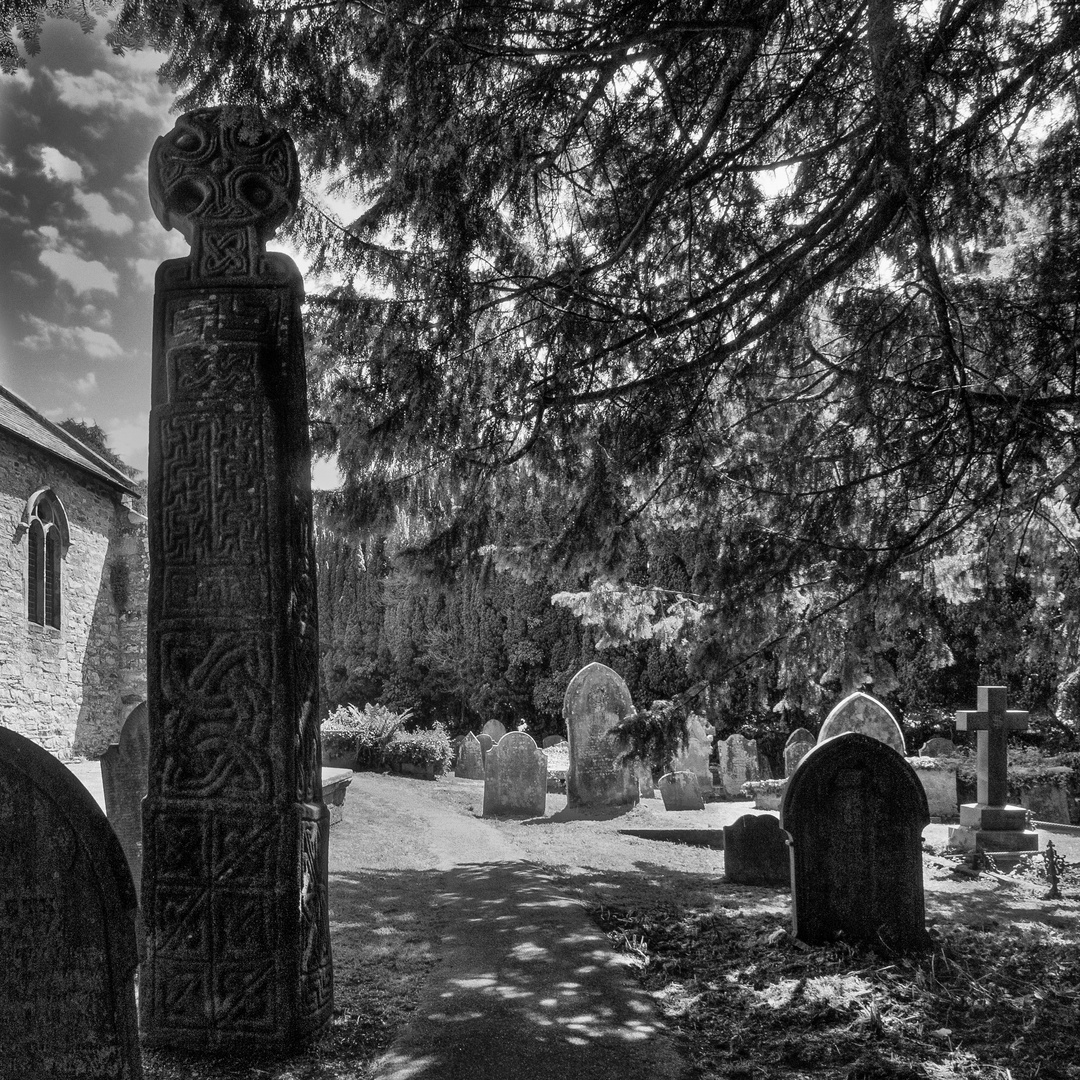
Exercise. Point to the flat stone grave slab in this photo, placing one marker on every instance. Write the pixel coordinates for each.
(335, 784)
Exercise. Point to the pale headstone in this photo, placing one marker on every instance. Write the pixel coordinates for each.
(739, 762)
(494, 729)
(596, 700)
(756, 851)
(799, 743)
(855, 812)
(645, 782)
(68, 951)
(234, 903)
(470, 759)
(681, 791)
(123, 780)
(865, 714)
(515, 780)
(695, 758)
(937, 747)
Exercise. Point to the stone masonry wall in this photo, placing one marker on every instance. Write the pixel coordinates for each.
(70, 689)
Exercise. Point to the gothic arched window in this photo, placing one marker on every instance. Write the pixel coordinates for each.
(47, 539)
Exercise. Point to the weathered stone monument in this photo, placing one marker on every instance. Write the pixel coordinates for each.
(681, 791)
(990, 824)
(799, 743)
(865, 714)
(470, 759)
(739, 762)
(552, 740)
(123, 780)
(67, 927)
(494, 729)
(695, 758)
(855, 812)
(937, 747)
(515, 780)
(235, 830)
(486, 743)
(596, 700)
(756, 851)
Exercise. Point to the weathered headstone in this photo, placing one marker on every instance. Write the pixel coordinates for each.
(123, 780)
(681, 791)
(515, 780)
(991, 824)
(486, 743)
(739, 762)
(855, 812)
(695, 758)
(552, 740)
(799, 743)
(470, 759)
(494, 729)
(756, 851)
(596, 700)
(865, 714)
(235, 832)
(67, 927)
(937, 747)
(645, 782)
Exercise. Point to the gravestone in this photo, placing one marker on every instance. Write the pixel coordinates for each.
(596, 700)
(646, 784)
(470, 759)
(67, 927)
(739, 762)
(681, 791)
(990, 824)
(865, 714)
(552, 740)
(855, 812)
(123, 780)
(234, 900)
(937, 747)
(486, 743)
(756, 851)
(494, 729)
(799, 743)
(695, 758)
(515, 780)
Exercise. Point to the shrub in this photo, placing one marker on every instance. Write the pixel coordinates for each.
(364, 732)
(430, 746)
(753, 788)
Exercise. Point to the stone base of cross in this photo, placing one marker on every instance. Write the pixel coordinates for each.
(991, 824)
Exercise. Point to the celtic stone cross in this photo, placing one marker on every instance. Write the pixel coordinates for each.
(235, 830)
(993, 722)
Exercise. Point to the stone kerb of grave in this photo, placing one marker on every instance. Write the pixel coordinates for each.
(855, 812)
(515, 780)
(596, 700)
(470, 759)
(681, 791)
(756, 851)
(68, 951)
(865, 714)
(123, 780)
(799, 743)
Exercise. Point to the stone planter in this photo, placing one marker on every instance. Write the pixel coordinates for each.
(768, 800)
(338, 750)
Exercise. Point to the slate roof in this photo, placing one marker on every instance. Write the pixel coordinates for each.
(22, 420)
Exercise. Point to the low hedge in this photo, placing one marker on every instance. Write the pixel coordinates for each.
(429, 746)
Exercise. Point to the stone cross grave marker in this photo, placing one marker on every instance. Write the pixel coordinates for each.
(470, 759)
(855, 812)
(756, 851)
(68, 953)
(596, 700)
(123, 780)
(235, 831)
(799, 743)
(990, 824)
(681, 791)
(863, 713)
(515, 780)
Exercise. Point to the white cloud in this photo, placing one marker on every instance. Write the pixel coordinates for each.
(130, 438)
(135, 92)
(101, 214)
(25, 278)
(57, 166)
(144, 270)
(85, 386)
(83, 275)
(80, 340)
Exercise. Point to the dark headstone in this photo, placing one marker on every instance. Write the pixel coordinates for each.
(865, 714)
(67, 927)
(123, 779)
(799, 743)
(681, 791)
(937, 747)
(486, 743)
(470, 759)
(552, 740)
(855, 812)
(235, 902)
(596, 700)
(515, 780)
(756, 851)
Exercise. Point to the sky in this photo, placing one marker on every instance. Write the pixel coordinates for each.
(79, 244)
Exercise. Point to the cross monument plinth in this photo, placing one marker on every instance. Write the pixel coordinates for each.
(991, 824)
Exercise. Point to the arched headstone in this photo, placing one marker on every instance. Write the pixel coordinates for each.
(486, 743)
(470, 759)
(756, 851)
(552, 740)
(865, 714)
(495, 729)
(67, 927)
(681, 791)
(515, 780)
(799, 743)
(937, 747)
(123, 779)
(855, 812)
(596, 700)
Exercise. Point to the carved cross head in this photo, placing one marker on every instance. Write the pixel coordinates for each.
(991, 713)
(226, 181)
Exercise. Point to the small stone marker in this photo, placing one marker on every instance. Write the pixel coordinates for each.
(799, 743)
(495, 729)
(67, 927)
(596, 700)
(515, 781)
(552, 740)
(991, 824)
(680, 791)
(855, 812)
(123, 779)
(863, 713)
(756, 852)
(739, 763)
(937, 747)
(470, 759)
(695, 758)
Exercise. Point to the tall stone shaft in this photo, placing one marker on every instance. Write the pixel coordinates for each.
(235, 830)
